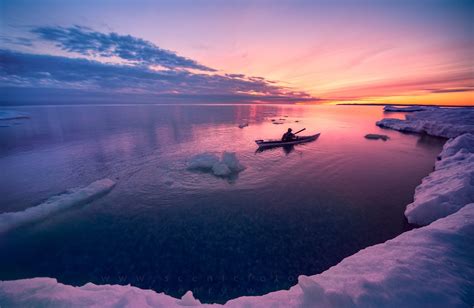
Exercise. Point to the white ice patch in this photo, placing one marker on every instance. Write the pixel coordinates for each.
(12, 115)
(226, 166)
(440, 122)
(390, 108)
(427, 267)
(73, 197)
(449, 187)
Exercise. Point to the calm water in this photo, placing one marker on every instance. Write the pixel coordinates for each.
(169, 229)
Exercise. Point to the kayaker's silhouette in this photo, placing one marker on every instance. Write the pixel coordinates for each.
(288, 136)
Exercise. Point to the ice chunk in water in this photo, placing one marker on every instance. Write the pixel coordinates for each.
(230, 159)
(12, 115)
(221, 169)
(208, 162)
(376, 137)
(203, 161)
(73, 197)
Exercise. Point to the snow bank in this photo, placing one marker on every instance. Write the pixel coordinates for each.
(12, 115)
(464, 142)
(228, 165)
(47, 292)
(390, 108)
(449, 187)
(440, 122)
(73, 197)
(432, 266)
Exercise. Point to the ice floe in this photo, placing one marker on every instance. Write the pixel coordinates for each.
(390, 108)
(230, 159)
(440, 122)
(227, 166)
(427, 267)
(376, 137)
(73, 197)
(278, 121)
(203, 161)
(12, 115)
(221, 169)
(449, 187)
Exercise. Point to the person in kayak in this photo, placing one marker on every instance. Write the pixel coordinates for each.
(288, 136)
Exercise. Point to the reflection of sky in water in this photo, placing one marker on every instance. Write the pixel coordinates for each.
(170, 229)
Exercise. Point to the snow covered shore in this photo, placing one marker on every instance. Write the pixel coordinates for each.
(73, 197)
(451, 185)
(427, 267)
(390, 108)
(440, 122)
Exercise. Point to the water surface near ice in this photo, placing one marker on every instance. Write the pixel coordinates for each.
(430, 266)
(290, 212)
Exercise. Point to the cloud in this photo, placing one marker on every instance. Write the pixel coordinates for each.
(87, 42)
(23, 70)
(16, 40)
(451, 90)
(454, 81)
(146, 71)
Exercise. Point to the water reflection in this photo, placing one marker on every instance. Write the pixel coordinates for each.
(428, 141)
(287, 149)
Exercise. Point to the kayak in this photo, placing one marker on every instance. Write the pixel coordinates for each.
(278, 143)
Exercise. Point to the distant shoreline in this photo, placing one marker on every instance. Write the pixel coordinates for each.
(403, 105)
(9, 106)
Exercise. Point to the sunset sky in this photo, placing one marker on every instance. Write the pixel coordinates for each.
(217, 51)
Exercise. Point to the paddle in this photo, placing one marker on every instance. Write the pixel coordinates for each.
(300, 131)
